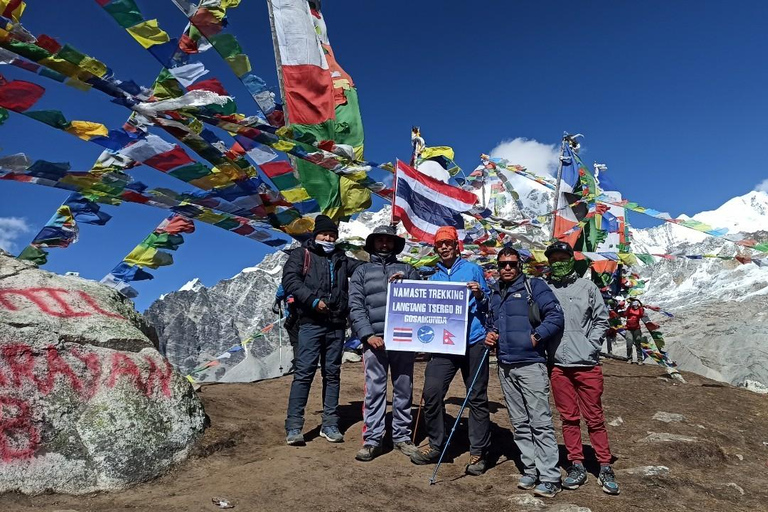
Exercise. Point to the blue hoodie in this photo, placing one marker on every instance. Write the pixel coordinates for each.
(463, 271)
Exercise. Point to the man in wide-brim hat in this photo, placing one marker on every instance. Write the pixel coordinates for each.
(368, 309)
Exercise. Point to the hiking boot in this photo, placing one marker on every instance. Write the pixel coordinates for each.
(607, 480)
(406, 447)
(527, 482)
(294, 437)
(577, 476)
(477, 465)
(425, 455)
(368, 452)
(547, 489)
(332, 434)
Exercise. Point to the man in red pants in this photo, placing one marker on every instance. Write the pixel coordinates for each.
(577, 380)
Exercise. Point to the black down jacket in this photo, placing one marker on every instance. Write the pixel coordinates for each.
(326, 279)
(368, 294)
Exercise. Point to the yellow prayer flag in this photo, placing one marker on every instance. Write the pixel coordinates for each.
(295, 195)
(627, 258)
(538, 256)
(17, 12)
(94, 66)
(210, 217)
(64, 67)
(239, 64)
(211, 181)
(283, 145)
(86, 129)
(148, 33)
(437, 151)
(300, 226)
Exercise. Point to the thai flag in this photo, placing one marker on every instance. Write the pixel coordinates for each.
(402, 334)
(424, 204)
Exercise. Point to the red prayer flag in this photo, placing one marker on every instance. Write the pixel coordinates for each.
(169, 160)
(212, 84)
(19, 95)
(275, 169)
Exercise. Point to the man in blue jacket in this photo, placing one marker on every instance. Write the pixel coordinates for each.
(524, 317)
(442, 367)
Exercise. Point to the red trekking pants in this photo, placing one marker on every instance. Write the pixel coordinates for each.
(577, 392)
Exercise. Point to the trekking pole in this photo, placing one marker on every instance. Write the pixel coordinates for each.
(458, 417)
(418, 415)
(280, 338)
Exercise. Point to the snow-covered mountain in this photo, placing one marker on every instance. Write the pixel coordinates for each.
(719, 329)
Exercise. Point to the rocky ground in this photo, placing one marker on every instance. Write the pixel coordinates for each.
(696, 446)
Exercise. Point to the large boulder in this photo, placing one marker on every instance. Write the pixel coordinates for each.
(87, 403)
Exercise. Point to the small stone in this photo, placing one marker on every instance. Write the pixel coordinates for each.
(350, 357)
(663, 437)
(739, 456)
(568, 507)
(616, 422)
(735, 486)
(526, 500)
(645, 471)
(668, 417)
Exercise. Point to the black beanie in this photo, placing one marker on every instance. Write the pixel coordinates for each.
(324, 223)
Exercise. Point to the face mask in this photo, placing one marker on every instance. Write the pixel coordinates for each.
(328, 247)
(383, 254)
(561, 269)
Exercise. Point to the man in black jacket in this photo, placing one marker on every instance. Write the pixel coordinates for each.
(316, 274)
(368, 311)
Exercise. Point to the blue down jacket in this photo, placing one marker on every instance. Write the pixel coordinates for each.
(509, 316)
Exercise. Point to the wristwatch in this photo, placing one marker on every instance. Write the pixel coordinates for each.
(537, 337)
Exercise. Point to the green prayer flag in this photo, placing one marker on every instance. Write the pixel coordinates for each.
(125, 12)
(3, 115)
(227, 224)
(29, 50)
(34, 254)
(70, 54)
(190, 172)
(226, 45)
(50, 117)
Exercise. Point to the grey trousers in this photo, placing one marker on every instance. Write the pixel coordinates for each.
(400, 366)
(526, 392)
(634, 339)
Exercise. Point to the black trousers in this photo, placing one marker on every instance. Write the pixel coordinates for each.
(440, 371)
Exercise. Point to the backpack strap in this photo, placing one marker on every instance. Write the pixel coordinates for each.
(529, 290)
(534, 313)
(305, 267)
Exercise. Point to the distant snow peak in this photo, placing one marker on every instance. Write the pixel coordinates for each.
(193, 285)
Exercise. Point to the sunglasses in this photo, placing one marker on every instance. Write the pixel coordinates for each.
(505, 264)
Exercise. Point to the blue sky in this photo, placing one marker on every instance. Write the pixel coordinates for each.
(671, 95)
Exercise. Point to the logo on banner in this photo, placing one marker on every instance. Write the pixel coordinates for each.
(426, 334)
(447, 337)
(402, 334)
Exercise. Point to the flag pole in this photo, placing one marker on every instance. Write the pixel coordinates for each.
(392, 220)
(557, 188)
